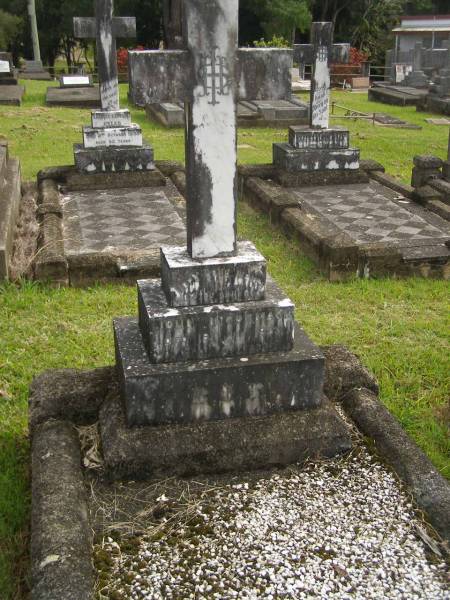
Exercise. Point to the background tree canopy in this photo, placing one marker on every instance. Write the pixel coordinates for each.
(366, 24)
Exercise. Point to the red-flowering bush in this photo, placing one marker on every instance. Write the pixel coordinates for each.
(357, 56)
(122, 58)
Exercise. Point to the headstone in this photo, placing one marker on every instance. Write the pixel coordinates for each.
(7, 75)
(78, 81)
(304, 55)
(215, 339)
(112, 143)
(402, 70)
(441, 83)
(317, 147)
(416, 77)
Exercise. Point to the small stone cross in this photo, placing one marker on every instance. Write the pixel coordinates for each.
(210, 75)
(321, 53)
(105, 28)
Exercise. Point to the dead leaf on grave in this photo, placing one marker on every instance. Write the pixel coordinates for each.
(340, 571)
(3, 395)
(428, 540)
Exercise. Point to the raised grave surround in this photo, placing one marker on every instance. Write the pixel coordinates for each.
(10, 196)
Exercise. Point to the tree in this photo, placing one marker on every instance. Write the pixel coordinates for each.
(9, 28)
(269, 18)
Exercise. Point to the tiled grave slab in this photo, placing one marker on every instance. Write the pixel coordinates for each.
(108, 220)
(361, 229)
(367, 214)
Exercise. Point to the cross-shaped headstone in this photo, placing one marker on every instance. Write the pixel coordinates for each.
(209, 76)
(320, 54)
(105, 28)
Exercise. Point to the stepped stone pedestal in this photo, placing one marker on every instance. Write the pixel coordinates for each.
(312, 149)
(215, 342)
(113, 144)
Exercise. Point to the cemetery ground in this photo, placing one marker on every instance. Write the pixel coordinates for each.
(399, 328)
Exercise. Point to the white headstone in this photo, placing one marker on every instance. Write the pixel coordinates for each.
(75, 80)
(5, 66)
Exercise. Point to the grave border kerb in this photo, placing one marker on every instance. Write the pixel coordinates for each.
(52, 265)
(269, 189)
(61, 400)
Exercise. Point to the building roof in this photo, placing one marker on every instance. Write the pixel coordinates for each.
(424, 24)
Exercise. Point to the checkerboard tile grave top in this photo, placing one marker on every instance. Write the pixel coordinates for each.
(369, 213)
(113, 220)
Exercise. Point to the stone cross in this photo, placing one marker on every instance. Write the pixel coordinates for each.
(321, 53)
(105, 28)
(210, 75)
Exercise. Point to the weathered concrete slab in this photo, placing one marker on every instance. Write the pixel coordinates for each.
(218, 446)
(83, 97)
(11, 94)
(396, 94)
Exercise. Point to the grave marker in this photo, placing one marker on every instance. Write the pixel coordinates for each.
(209, 76)
(105, 28)
(214, 340)
(112, 143)
(318, 147)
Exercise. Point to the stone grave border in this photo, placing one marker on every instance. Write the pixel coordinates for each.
(395, 96)
(53, 266)
(155, 113)
(62, 400)
(266, 188)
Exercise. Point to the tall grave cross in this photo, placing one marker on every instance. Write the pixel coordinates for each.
(321, 53)
(209, 75)
(105, 28)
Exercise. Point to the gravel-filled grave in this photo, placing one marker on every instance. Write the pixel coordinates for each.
(335, 529)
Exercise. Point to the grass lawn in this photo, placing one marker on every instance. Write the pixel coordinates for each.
(399, 328)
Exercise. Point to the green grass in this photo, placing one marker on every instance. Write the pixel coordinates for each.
(398, 328)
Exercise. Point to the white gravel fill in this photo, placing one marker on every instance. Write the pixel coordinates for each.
(339, 529)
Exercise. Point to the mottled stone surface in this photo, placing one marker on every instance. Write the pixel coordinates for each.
(292, 159)
(189, 282)
(202, 332)
(214, 389)
(85, 97)
(219, 446)
(113, 158)
(396, 95)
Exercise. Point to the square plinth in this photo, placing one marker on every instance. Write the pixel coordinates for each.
(202, 332)
(113, 158)
(295, 160)
(95, 137)
(218, 446)
(193, 392)
(307, 138)
(221, 280)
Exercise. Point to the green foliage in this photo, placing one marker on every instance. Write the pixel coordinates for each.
(9, 28)
(284, 17)
(275, 42)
